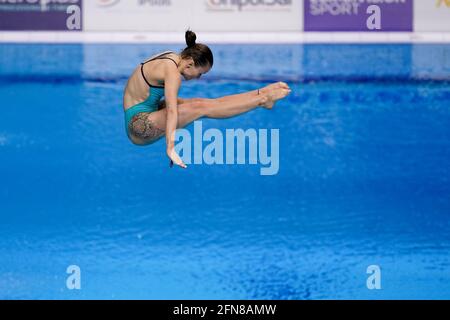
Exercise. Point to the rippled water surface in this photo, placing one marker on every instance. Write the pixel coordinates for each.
(363, 178)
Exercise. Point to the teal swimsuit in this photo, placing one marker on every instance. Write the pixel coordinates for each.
(155, 95)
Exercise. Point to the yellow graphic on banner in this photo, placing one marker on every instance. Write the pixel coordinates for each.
(439, 3)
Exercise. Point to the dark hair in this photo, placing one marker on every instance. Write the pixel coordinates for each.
(200, 53)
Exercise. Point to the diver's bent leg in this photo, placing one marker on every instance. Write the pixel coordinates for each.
(211, 108)
(147, 127)
(217, 108)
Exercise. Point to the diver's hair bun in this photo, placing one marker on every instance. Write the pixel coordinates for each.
(190, 38)
(198, 52)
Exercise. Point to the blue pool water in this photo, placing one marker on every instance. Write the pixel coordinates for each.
(363, 178)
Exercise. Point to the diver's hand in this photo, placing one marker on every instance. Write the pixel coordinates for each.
(175, 158)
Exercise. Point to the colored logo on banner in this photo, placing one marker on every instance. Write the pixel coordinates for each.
(107, 3)
(246, 5)
(358, 15)
(442, 3)
(34, 15)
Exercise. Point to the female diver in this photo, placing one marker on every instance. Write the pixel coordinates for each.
(147, 118)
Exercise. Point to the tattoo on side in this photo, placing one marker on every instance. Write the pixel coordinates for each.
(144, 128)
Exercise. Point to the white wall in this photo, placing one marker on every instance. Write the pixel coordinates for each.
(219, 15)
(129, 15)
(200, 15)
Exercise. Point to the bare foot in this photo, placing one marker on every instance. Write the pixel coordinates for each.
(273, 86)
(273, 96)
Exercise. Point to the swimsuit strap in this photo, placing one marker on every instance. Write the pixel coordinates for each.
(157, 56)
(160, 56)
(143, 76)
(167, 59)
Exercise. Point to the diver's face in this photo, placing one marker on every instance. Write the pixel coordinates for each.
(193, 72)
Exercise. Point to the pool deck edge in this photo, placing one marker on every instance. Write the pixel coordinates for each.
(223, 37)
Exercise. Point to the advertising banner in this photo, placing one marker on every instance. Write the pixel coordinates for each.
(137, 15)
(358, 15)
(432, 15)
(39, 15)
(248, 15)
(199, 15)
